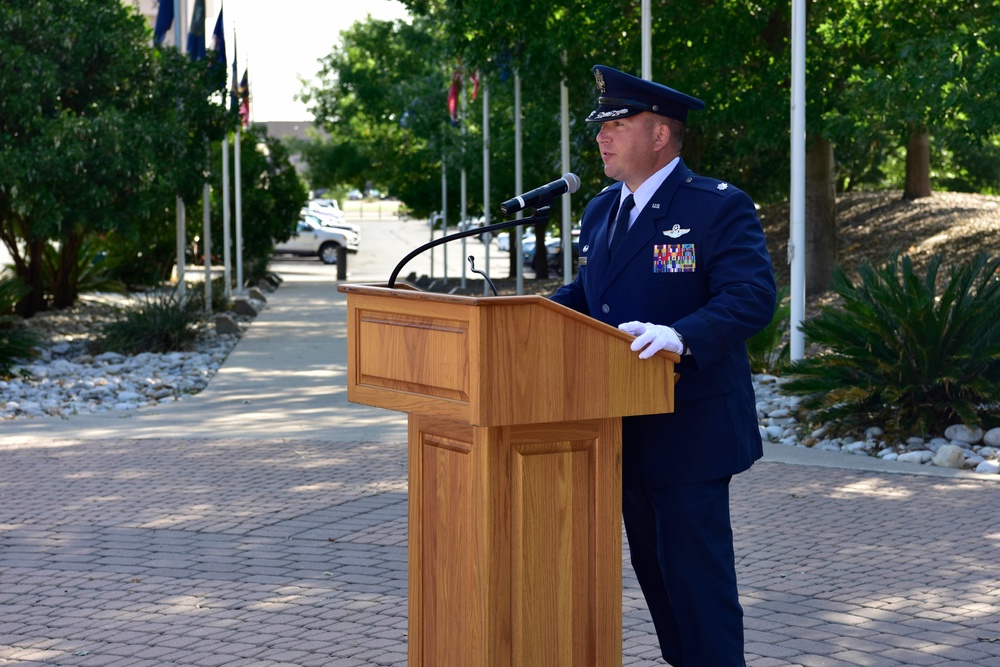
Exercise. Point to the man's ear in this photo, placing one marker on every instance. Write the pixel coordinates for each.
(663, 136)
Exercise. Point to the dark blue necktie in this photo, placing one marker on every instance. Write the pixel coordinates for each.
(621, 224)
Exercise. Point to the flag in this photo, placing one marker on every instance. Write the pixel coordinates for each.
(475, 84)
(233, 104)
(219, 40)
(456, 87)
(164, 19)
(245, 99)
(196, 32)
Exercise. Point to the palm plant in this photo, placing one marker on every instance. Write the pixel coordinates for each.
(899, 353)
(767, 349)
(16, 340)
(163, 323)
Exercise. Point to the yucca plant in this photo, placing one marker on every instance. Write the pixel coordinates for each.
(163, 323)
(899, 354)
(768, 353)
(17, 341)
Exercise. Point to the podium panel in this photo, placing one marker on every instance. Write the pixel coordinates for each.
(515, 544)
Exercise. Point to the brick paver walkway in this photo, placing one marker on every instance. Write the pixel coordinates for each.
(267, 553)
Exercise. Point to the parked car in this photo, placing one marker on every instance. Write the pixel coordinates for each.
(503, 239)
(329, 221)
(553, 249)
(313, 239)
(326, 208)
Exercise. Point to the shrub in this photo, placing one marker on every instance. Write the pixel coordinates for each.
(220, 303)
(900, 354)
(16, 340)
(767, 353)
(163, 323)
(87, 269)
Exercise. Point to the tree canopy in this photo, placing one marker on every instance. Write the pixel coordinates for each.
(876, 71)
(95, 126)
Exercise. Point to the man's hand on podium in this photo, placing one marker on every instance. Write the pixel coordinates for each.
(651, 338)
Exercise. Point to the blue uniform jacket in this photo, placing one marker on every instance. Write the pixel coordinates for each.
(695, 259)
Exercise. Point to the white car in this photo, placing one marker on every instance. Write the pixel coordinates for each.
(326, 220)
(313, 239)
(503, 239)
(326, 208)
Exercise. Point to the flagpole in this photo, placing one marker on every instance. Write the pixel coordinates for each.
(515, 243)
(239, 211)
(486, 174)
(226, 241)
(206, 262)
(178, 201)
(463, 219)
(567, 234)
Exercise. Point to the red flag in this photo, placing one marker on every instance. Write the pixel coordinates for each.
(245, 99)
(475, 85)
(456, 87)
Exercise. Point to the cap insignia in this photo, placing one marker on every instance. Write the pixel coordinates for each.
(600, 80)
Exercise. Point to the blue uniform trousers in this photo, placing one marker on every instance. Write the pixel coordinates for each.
(681, 546)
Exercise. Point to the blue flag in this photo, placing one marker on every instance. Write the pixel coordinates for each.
(233, 100)
(164, 19)
(196, 33)
(219, 41)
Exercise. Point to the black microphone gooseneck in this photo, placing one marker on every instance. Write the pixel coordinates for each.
(541, 216)
(472, 265)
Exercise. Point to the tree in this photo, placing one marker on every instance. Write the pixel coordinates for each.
(273, 196)
(381, 100)
(106, 128)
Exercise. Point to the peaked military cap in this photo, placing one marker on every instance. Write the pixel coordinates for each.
(624, 95)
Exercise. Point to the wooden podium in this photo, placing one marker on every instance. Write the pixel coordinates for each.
(515, 407)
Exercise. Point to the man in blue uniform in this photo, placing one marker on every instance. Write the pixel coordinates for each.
(679, 261)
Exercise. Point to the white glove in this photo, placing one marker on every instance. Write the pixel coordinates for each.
(653, 337)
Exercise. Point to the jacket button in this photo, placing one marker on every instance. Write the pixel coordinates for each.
(606, 308)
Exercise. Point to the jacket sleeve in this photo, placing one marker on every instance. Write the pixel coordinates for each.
(741, 288)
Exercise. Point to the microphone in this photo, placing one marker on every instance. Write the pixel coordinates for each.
(542, 196)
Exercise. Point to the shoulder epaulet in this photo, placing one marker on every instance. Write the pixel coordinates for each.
(709, 184)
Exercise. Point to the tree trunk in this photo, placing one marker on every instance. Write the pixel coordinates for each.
(34, 302)
(541, 262)
(821, 215)
(65, 275)
(918, 163)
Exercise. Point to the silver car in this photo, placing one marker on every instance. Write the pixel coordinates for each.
(313, 239)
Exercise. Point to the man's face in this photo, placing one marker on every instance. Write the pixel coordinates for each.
(631, 148)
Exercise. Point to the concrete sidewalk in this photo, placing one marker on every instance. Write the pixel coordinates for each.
(263, 522)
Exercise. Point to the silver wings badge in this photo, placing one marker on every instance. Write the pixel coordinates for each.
(676, 232)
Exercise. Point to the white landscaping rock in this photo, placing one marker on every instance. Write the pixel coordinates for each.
(989, 467)
(949, 456)
(969, 434)
(920, 456)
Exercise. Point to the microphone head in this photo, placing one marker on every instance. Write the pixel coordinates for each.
(572, 182)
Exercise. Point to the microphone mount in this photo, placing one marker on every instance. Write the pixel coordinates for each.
(541, 216)
(472, 267)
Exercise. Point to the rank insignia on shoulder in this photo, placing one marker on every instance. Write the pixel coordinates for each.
(675, 232)
(722, 186)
